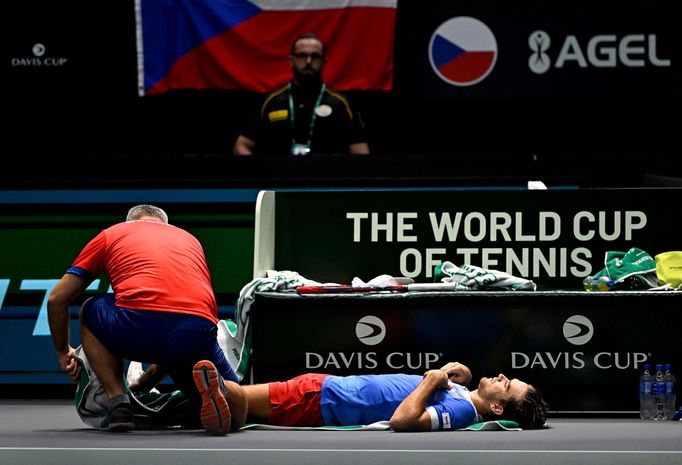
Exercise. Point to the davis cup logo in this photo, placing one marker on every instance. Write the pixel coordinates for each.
(38, 50)
(370, 330)
(462, 51)
(578, 330)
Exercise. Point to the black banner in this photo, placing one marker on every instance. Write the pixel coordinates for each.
(501, 50)
(552, 237)
(584, 351)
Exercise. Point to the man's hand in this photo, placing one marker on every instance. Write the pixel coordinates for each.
(148, 379)
(439, 377)
(69, 365)
(457, 373)
(411, 414)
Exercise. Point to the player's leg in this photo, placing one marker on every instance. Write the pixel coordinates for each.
(295, 402)
(107, 365)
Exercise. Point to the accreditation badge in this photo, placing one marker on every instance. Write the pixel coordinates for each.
(323, 111)
(300, 149)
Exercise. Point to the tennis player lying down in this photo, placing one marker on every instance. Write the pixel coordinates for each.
(438, 400)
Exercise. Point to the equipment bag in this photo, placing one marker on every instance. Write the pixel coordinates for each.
(669, 268)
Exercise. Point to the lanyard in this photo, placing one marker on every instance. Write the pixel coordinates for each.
(312, 117)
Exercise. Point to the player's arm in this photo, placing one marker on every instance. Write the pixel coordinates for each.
(148, 379)
(458, 373)
(65, 292)
(411, 414)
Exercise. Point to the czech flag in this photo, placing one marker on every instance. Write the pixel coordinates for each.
(239, 44)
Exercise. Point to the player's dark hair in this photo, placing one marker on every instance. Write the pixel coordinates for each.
(530, 412)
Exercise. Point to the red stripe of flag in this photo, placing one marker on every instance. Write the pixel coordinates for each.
(254, 55)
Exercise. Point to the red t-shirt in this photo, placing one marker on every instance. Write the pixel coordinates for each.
(152, 266)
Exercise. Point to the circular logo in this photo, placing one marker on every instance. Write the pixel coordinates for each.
(578, 330)
(462, 51)
(370, 330)
(38, 50)
(323, 111)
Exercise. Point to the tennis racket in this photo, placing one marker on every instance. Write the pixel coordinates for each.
(347, 289)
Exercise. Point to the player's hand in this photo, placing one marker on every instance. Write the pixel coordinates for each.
(457, 373)
(439, 377)
(69, 365)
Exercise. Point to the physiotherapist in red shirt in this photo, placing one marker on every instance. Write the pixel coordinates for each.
(162, 311)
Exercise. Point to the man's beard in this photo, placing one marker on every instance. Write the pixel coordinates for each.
(308, 80)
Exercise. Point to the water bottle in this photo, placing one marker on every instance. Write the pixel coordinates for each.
(646, 394)
(670, 388)
(659, 394)
(678, 415)
(603, 283)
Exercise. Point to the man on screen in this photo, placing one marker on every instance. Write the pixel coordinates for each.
(305, 116)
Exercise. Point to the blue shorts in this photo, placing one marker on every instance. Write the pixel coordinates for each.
(174, 341)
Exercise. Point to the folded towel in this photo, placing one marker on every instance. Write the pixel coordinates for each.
(378, 426)
(631, 270)
(497, 425)
(474, 278)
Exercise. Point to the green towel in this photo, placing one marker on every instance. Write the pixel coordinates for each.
(234, 336)
(497, 425)
(378, 426)
(631, 270)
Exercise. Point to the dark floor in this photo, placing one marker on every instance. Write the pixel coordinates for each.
(50, 432)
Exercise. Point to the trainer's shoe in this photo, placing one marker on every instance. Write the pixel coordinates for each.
(215, 413)
(120, 416)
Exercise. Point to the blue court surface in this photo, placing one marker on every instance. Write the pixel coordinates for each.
(49, 432)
